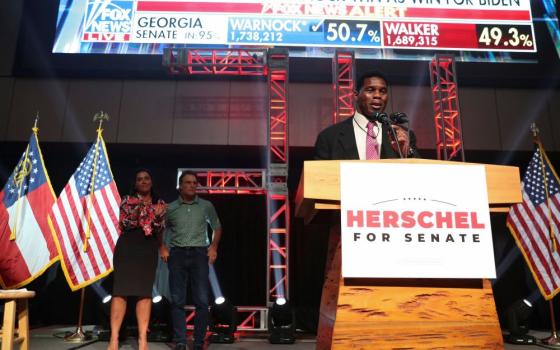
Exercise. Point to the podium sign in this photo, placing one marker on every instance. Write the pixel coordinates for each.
(414, 221)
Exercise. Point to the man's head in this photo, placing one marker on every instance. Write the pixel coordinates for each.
(188, 184)
(372, 93)
(142, 182)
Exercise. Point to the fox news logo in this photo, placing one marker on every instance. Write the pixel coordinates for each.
(108, 20)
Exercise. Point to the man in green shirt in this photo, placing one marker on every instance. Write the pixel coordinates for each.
(188, 257)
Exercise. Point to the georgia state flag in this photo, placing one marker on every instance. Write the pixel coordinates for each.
(27, 247)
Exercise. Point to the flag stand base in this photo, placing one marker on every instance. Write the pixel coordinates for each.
(77, 337)
(552, 341)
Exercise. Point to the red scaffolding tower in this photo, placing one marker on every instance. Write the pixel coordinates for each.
(278, 205)
(445, 95)
(343, 85)
(272, 181)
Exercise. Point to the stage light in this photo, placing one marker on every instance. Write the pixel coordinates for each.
(160, 324)
(281, 322)
(101, 292)
(156, 296)
(223, 321)
(517, 322)
(215, 285)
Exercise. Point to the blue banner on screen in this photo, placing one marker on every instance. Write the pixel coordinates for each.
(148, 26)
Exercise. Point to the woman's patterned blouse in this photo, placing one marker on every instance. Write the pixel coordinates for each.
(134, 213)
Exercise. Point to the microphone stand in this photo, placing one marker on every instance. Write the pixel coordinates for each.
(394, 134)
(404, 120)
(408, 136)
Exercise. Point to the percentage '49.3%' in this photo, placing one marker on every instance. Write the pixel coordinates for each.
(504, 38)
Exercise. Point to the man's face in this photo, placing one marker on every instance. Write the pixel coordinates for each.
(372, 97)
(188, 185)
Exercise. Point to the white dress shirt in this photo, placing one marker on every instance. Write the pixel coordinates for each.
(360, 123)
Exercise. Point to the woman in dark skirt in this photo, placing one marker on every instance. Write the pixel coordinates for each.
(135, 258)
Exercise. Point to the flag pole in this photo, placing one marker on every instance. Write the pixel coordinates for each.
(98, 117)
(553, 340)
(79, 336)
(35, 128)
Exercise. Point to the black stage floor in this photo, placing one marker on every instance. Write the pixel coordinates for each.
(49, 338)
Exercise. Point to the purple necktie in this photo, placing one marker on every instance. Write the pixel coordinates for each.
(372, 147)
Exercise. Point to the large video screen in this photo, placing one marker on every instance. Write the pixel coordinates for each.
(310, 28)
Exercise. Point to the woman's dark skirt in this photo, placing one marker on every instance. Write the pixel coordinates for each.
(134, 260)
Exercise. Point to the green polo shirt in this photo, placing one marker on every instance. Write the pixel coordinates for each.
(188, 222)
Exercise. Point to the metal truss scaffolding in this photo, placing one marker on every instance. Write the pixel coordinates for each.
(278, 206)
(232, 181)
(250, 318)
(216, 62)
(449, 139)
(272, 181)
(343, 85)
(229, 181)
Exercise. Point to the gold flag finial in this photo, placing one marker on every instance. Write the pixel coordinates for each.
(35, 128)
(100, 117)
(535, 131)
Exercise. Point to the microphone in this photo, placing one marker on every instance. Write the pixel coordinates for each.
(394, 118)
(398, 118)
(382, 118)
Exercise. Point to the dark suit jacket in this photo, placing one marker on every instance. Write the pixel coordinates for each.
(339, 142)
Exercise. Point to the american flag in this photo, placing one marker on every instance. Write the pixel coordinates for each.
(87, 206)
(534, 223)
(27, 246)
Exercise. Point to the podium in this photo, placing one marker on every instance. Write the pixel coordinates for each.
(401, 313)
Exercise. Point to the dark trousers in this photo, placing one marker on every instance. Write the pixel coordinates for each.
(189, 264)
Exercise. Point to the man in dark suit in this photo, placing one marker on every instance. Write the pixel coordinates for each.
(362, 136)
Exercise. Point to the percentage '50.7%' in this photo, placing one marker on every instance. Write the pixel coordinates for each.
(354, 32)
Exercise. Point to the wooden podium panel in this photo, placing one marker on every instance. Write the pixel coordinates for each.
(415, 314)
